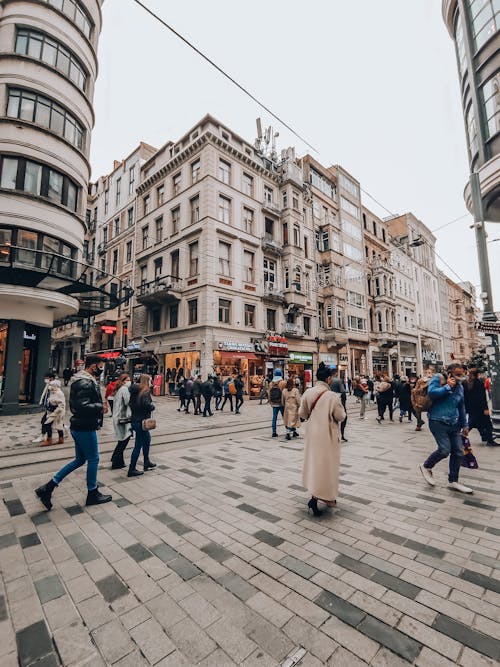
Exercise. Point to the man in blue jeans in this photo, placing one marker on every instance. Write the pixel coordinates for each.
(447, 423)
(275, 395)
(87, 410)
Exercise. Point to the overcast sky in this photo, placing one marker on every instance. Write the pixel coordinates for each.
(372, 85)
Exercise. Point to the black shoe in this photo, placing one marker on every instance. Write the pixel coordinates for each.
(295, 434)
(95, 497)
(492, 443)
(237, 412)
(313, 505)
(134, 473)
(401, 420)
(344, 439)
(274, 435)
(44, 493)
(149, 465)
(117, 465)
(288, 436)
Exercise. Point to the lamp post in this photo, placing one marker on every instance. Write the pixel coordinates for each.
(487, 298)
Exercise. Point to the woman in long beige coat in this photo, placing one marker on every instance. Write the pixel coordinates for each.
(324, 412)
(55, 413)
(290, 398)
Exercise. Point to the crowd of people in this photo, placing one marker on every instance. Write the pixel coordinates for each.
(454, 403)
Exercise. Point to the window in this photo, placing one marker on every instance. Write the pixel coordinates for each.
(307, 325)
(339, 318)
(193, 311)
(322, 183)
(105, 235)
(116, 230)
(269, 229)
(224, 171)
(471, 131)
(270, 319)
(349, 185)
(146, 204)
(130, 217)
(224, 311)
(383, 235)
(296, 236)
(295, 201)
(144, 276)
(329, 317)
(380, 326)
(306, 247)
(490, 97)
(284, 196)
(174, 264)
(286, 273)
(285, 233)
(176, 183)
(224, 256)
(224, 210)
(173, 316)
(249, 315)
(350, 208)
(356, 323)
(118, 190)
(195, 209)
(42, 47)
(156, 319)
(354, 230)
(37, 179)
(485, 20)
(115, 262)
(248, 266)
(374, 224)
(336, 245)
(268, 195)
(193, 258)
(160, 195)
(355, 299)
(248, 220)
(176, 218)
(195, 171)
(129, 251)
(158, 268)
(320, 315)
(145, 236)
(352, 252)
(44, 112)
(269, 271)
(131, 180)
(159, 229)
(247, 184)
(365, 224)
(106, 200)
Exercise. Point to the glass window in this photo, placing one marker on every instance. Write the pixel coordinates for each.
(224, 254)
(491, 105)
(176, 217)
(173, 315)
(224, 311)
(472, 131)
(74, 11)
(350, 208)
(72, 196)
(159, 229)
(145, 237)
(9, 173)
(224, 171)
(460, 45)
(195, 209)
(195, 170)
(269, 271)
(33, 178)
(28, 240)
(27, 108)
(193, 311)
(224, 210)
(130, 217)
(485, 19)
(249, 315)
(271, 319)
(349, 185)
(5, 243)
(247, 184)
(322, 183)
(248, 266)
(160, 195)
(176, 183)
(247, 220)
(193, 258)
(55, 186)
(174, 264)
(129, 251)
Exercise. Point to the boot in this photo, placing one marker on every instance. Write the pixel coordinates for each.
(44, 493)
(134, 473)
(61, 438)
(313, 505)
(149, 465)
(46, 442)
(95, 497)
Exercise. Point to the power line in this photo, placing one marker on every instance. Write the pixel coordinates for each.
(224, 73)
(465, 215)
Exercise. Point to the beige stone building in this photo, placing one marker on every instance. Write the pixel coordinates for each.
(462, 314)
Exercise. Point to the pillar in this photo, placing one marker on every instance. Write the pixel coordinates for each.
(15, 344)
(43, 359)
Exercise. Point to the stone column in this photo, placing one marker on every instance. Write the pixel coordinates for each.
(43, 360)
(13, 361)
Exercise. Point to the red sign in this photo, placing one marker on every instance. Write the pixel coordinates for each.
(108, 329)
(277, 346)
(109, 355)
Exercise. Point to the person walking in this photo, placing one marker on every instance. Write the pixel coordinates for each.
(87, 411)
(371, 389)
(196, 395)
(141, 407)
(275, 399)
(227, 388)
(477, 409)
(361, 392)
(44, 401)
(290, 399)
(121, 420)
(447, 423)
(405, 406)
(207, 391)
(55, 413)
(324, 411)
(385, 398)
(264, 389)
(109, 394)
(217, 392)
(338, 387)
(67, 375)
(188, 393)
(181, 387)
(239, 386)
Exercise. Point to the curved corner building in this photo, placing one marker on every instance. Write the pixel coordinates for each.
(474, 26)
(48, 68)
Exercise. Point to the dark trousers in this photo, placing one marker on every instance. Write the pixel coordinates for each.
(117, 455)
(449, 443)
(227, 397)
(48, 431)
(239, 403)
(197, 405)
(343, 399)
(207, 410)
(418, 415)
(483, 425)
(218, 401)
(381, 406)
(142, 443)
(187, 403)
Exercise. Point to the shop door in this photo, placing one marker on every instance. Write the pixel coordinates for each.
(28, 365)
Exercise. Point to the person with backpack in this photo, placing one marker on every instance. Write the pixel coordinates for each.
(207, 391)
(276, 387)
(361, 393)
(447, 423)
(239, 387)
(476, 406)
(197, 395)
(419, 399)
(338, 387)
(229, 391)
(385, 398)
(405, 407)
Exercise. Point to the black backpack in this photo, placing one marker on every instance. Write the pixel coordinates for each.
(275, 394)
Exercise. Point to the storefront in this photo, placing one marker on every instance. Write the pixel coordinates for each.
(431, 354)
(408, 358)
(181, 363)
(331, 360)
(235, 358)
(300, 364)
(358, 362)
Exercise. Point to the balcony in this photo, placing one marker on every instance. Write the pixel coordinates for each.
(337, 336)
(101, 248)
(387, 339)
(293, 330)
(295, 297)
(271, 207)
(272, 293)
(271, 245)
(165, 289)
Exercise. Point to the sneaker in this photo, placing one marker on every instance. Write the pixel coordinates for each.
(274, 435)
(379, 419)
(39, 438)
(456, 486)
(427, 475)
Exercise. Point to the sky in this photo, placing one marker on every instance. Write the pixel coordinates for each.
(372, 85)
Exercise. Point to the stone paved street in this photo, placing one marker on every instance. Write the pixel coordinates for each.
(212, 559)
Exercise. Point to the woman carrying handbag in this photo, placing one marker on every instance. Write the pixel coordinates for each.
(121, 420)
(141, 407)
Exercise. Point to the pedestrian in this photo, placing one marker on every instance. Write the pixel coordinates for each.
(141, 407)
(447, 423)
(385, 398)
(371, 389)
(228, 388)
(264, 389)
(217, 391)
(188, 392)
(349, 386)
(55, 413)
(207, 391)
(396, 386)
(196, 395)
(181, 387)
(404, 395)
(476, 406)
(121, 420)
(109, 394)
(275, 399)
(44, 400)
(85, 402)
(338, 387)
(290, 398)
(419, 386)
(323, 410)
(487, 386)
(361, 393)
(67, 375)
(239, 386)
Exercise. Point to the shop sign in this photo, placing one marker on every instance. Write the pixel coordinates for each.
(233, 346)
(329, 359)
(301, 357)
(28, 336)
(108, 329)
(343, 358)
(272, 345)
(430, 356)
(133, 347)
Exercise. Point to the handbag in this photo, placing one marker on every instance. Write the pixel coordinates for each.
(124, 420)
(148, 424)
(468, 460)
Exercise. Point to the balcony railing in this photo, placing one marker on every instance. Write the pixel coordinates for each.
(271, 206)
(163, 289)
(271, 245)
(339, 336)
(293, 330)
(272, 293)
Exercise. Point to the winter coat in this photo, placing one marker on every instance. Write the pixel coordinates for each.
(141, 405)
(322, 447)
(207, 390)
(448, 404)
(385, 397)
(85, 402)
(196, 388)
(291, 400)
(56, 409)
(475, 400)
(217, 387)
(188, 388)
(405, 397)
(121, 410)
(239, 387)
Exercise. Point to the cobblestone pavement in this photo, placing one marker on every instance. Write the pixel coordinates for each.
(212, 559)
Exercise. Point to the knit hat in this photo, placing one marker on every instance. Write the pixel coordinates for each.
(278, 375)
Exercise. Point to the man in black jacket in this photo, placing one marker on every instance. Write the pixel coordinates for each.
(207, 391)
(87, 410)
